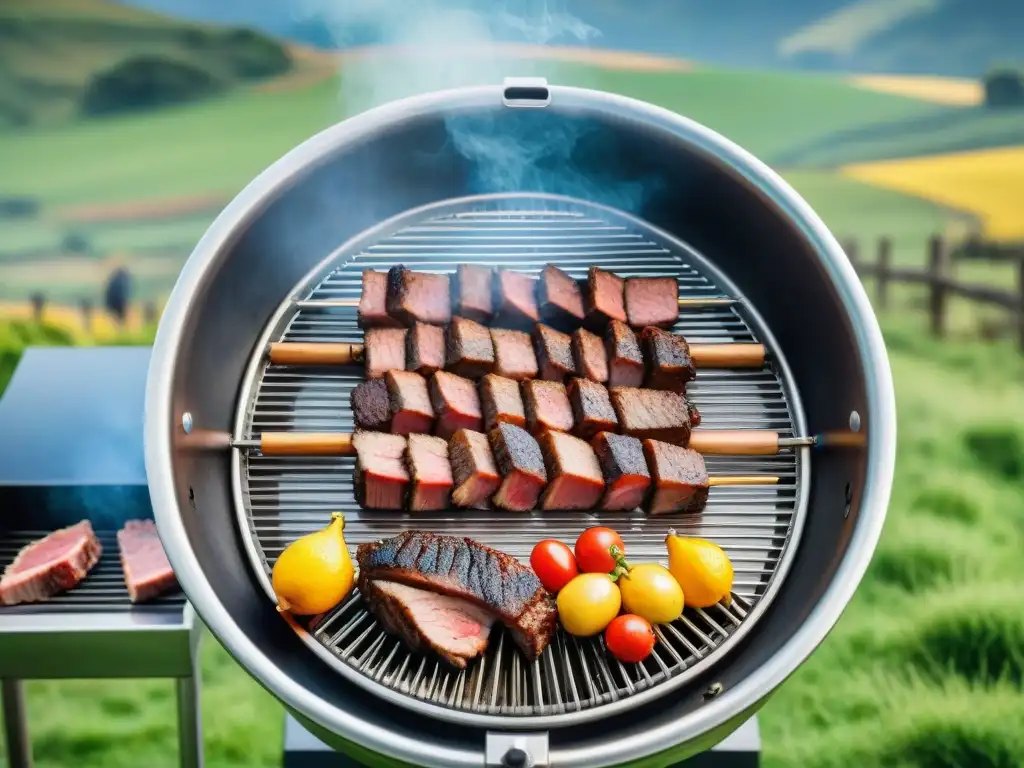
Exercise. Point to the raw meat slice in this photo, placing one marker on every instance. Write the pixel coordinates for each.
(456, 403)
(669, 365)
(605, 299)
(411, 410)
(624, 468)
(554, 353)
(559, 296)
(470, 351)
(590, 356)
(473, 469)
(373, 310)
(426, 350)
(591, 407)
(574, 476)
(521, 466)
(680, 478)
(147, 571)
(502, 401)
(625, 361)
(418, 296)
(547, 406)
(517, 300)
(426, 459)
(474, 292)
(371, 405)
(513, 354)
(380, 477)
(53, 564)
(654, 413)
(384, 351)
(652, 301)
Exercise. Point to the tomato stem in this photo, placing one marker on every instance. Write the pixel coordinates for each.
(621, 564)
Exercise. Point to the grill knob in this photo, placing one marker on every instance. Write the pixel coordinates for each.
(516, 758)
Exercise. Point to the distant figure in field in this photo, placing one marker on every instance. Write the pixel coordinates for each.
(118, 294)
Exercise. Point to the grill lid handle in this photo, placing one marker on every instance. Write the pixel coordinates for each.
(516, 750)
(526, 92)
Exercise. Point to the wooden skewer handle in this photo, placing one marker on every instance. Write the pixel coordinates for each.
(734, 442)
(306, 444)
(728, 355)
(721, 480)
(302, 353)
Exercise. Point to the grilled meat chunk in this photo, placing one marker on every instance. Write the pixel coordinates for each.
(502, 401)
(605, 299)
(454, 629)
(380, 476)
(371, 405)
(147, 571)
(384, 351)
(418, 296)
(513, 354)
(591, 407)
(51, 565)
(521, 466)
(575, 479)
(373, 309)
(652, 301)
(624, 468)
(590, 356)
(473, 469)
(680, 478)
(694, 415)
(470, 351)
(547, 406)
(474, 292)
(466, 569)
(426, 460)
(456, 404)
(625, 361)
(669, 365)
(559, 297)
(517, 300)
(654, 413)
(426, 351)
(411, 410)
(554, 353)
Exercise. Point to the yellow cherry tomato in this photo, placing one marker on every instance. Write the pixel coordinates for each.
(650, 591)
(588, 603)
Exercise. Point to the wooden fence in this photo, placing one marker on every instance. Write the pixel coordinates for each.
(938, 277)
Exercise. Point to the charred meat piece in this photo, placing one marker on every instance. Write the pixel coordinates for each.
(411, 410)
(454, 629)
(521, 466)
(513, 354)
(474, 290)
(373, 308)
(652, 413)
(547, 406)
(53, 564)
(380, 476)
(591, 407)
(426, 351)
(384, 351)
(694, 415)
(517, 300)
(502, 401)
(605, 300)
(147, 571)
(456, 404)
(371, 405)
(680, 478)
(471, 571)
(559, 296)
(625, 361)
(652, 301)
(554, 353)
(426, 459)
(470, 351)
(473, 469)
(624, 468)
(575, 479)
(590, 356)
(669, 365)
(418, 297)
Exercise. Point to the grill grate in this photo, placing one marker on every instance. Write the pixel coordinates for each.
(281, 498)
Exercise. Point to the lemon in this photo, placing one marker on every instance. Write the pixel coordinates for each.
(315, 572)
(649, 591)
(702, 569)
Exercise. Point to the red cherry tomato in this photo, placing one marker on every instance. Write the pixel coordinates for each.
(593, 550)
(553, 563)
(629, 638)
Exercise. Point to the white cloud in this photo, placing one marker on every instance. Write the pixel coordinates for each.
(845, 30)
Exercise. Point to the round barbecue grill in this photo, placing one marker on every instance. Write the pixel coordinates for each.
(412, 183)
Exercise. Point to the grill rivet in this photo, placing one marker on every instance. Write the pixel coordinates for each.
(713, 690)
(186, 422)
(854, 421)
(516, 758)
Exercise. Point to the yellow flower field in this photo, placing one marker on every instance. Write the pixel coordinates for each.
(986, 183)
(104, 328)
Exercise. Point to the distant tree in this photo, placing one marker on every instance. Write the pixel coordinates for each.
(252, 55)
(38, 301)
(76, 242)
(118, 294)
(1004, 87)
(18, 208)
(145, 82)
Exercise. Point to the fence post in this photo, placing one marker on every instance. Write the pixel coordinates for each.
(882, 270)
(938, 275)
(1020, 297)
(86, 307)
(38, 301)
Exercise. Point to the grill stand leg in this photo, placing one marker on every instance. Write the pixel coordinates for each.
(19, 748)
(190, 726)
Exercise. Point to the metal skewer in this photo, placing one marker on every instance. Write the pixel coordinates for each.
(688, 303)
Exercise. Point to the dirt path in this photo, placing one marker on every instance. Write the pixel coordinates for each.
(141, 210)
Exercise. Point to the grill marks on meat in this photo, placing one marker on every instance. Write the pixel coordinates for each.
(371, 405)
(625, 361)
(591, 407)
(605, 299)
(652, 301)
(547, 406)
(625, 471)
(575, 479)
(384, 350)
(474, 292)
(517, 300)
(427, 462)
(426, 351)
(380, 477)
(470, 351)
(468, 570)
(652, 413)
(521, 466)
(418, 296)
(554, 353)
(474, 472)
(456, 403)
(680, 478)
(590, 356)
(373, 309)
(513, 354)
(147, 572)
(669, 365)
(559, 296)
(411, 410)
(502, 401)
(53, 564)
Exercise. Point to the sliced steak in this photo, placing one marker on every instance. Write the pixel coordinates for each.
(517, 299)
(418, 296)
(559, 297)
(513, 354)
(411, 410)
(470, 351)
(654, 413)
(53, 564)
(574, 476)
(625, 361)
(473, 469)
(680, 478)
(426, 352)
(624, 468)
(591, 407)
(547, 406)
(652, 301)
(147, 571)
(474, 292)
(373, 310)
(454, 629)
(502, 401)
(605, 299)
(426, 459)
(590, 356)
(371, 405)
(521, 466)
(380, 477)
(471, 571)
(456, 404)
(669, 365)
(384, 351)
(554, 353)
